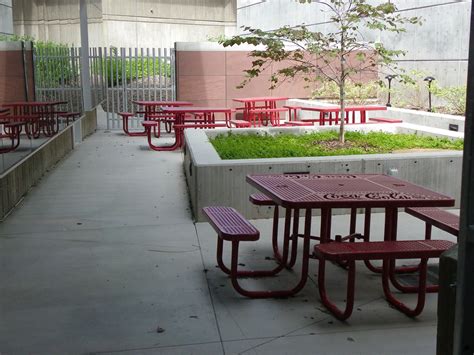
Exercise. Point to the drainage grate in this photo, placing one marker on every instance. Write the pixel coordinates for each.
(412, 279)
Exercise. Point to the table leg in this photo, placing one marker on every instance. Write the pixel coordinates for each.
(326, 217)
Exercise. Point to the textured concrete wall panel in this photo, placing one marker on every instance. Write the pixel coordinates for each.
(6, 18)
(141, 23)
(438, 47)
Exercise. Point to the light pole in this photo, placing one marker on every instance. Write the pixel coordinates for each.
(389, 78)
(429, 79)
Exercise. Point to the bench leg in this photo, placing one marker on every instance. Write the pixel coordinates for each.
(235, 274)
(391, 220)
(174, 146)
(280, 258)
(126, 130)
(410, 289)
(388, 270)
(336, 311)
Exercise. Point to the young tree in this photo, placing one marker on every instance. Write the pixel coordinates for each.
(334, 55)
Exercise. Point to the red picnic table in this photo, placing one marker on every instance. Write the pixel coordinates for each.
(260, 110)
(40, 115)
(12, 131)
(152, 111)
(203, 117)
(326, 113)
(325, 192)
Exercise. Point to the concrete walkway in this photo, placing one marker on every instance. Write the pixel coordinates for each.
(103, 257)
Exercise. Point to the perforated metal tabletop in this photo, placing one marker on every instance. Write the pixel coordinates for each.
(345, 191)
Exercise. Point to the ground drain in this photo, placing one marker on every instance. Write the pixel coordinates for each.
(412, 279)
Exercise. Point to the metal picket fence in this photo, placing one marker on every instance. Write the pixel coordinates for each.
(118, 77)
(146, 74)
(58, 75)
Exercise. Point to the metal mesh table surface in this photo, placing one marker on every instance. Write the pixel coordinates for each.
(345, 191)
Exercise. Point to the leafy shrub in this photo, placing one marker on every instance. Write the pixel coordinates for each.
(119, 70)
(453, 96)
(412, 93)
(356, 93)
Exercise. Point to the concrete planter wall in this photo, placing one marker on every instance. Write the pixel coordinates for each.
(213, 181)
(435, 121)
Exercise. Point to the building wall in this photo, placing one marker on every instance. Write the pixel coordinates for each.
(208, 74)
(439, 47)
(6, 17)
(126, 23)
(16, 72)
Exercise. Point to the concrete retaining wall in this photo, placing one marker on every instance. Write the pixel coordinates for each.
(17, 181)
(89, 123)
(213, 181)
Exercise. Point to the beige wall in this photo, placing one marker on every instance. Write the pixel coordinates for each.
(126, 23)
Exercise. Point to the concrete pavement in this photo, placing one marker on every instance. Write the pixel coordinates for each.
(103, 257)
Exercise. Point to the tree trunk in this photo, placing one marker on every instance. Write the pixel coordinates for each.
(342, 89)
(342, 113)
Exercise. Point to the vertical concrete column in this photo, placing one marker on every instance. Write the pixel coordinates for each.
(85, 76)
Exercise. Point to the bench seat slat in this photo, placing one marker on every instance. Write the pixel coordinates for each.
(260, 199)
(406, 249)
(441, 219)
(231, 225)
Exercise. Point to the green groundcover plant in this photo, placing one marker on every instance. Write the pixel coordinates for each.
(254, 146)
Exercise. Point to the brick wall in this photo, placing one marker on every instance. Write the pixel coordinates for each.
(208, 75)
(13, 63)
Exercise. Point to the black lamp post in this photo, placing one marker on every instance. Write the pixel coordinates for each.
(389, 78)
(429, 79)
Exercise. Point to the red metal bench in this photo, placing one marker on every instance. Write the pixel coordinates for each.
(125, 118)
(69, 116)
(12, 131)
(259, 116)
(231, 226)
(385, 120)
(386, 251)
(441, 219)
(240, 123)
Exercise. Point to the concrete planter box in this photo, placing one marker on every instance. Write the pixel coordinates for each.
(213, 181)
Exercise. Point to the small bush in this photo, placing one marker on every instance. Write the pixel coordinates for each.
(119, 70)
(356, 93)
(453, 96)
